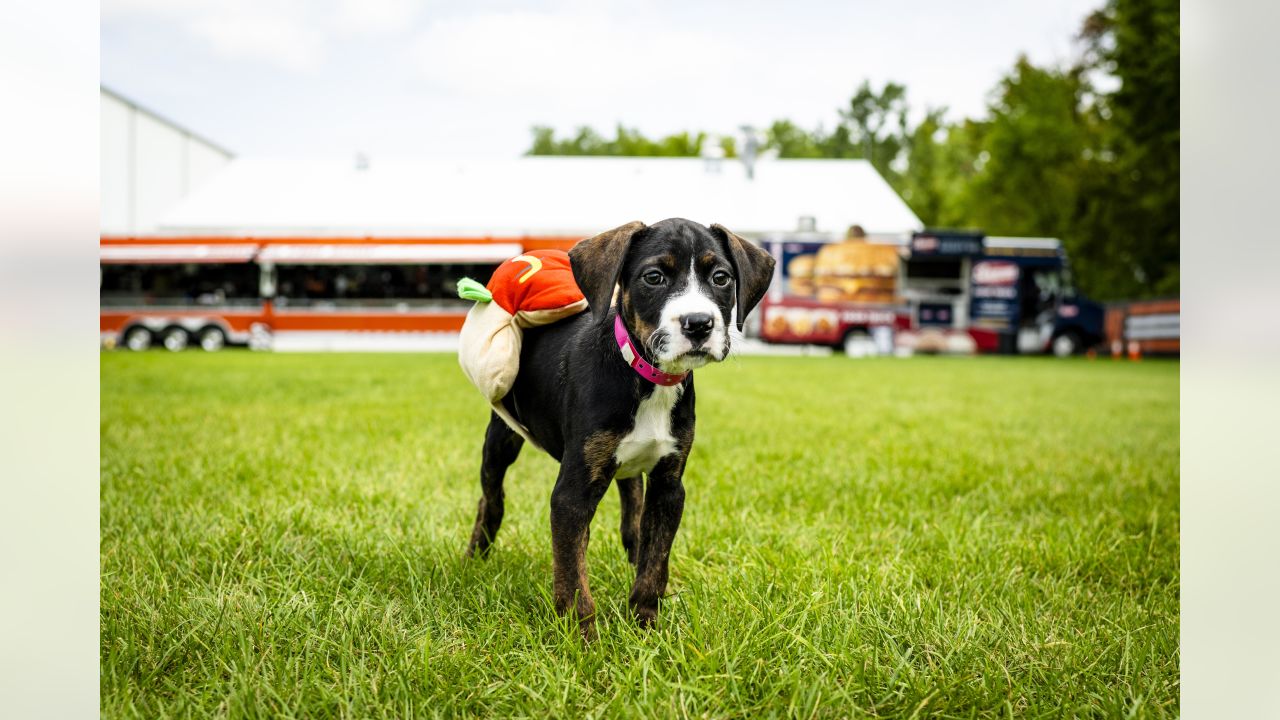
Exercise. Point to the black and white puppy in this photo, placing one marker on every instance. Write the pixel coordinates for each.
(676, 286)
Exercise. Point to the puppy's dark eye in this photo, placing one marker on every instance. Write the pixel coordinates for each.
(720, 278)
(654, 277)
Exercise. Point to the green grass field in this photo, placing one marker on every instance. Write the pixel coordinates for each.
(282, 535)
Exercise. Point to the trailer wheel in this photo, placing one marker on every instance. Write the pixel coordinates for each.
(175, 339)
(857, 344)
(137, 338)
(1066, 344)
(212, 339)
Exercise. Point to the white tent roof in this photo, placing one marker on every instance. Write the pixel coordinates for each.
(535, 196)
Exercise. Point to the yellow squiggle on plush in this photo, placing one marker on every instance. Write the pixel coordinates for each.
(534, 266)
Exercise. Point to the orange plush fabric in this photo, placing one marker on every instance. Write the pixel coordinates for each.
(535, 281)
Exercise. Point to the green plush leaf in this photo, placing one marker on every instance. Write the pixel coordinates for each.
(469, 289)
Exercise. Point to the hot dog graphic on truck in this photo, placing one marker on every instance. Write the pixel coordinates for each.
(934, 291)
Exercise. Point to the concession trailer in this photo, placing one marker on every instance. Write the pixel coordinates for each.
(334, 291)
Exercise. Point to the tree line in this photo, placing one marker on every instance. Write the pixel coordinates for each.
(1087, 152)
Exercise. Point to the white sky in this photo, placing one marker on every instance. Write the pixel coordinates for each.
(456, 78)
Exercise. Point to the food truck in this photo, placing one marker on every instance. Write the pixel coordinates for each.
(935, 291)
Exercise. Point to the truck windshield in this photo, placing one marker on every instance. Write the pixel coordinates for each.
(1042, 290)
(1049, 283)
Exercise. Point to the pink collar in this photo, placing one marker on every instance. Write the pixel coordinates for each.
(637, 363)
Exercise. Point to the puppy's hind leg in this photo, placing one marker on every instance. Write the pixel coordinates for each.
(501, 447)
(573, 504)
(631, 491)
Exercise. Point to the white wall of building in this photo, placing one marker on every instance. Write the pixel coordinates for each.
(148, 166)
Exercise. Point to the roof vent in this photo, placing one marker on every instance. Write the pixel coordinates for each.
(752, 140)
(712, 154)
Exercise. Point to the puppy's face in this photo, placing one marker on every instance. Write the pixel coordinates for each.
(677, 290)
(679, 286)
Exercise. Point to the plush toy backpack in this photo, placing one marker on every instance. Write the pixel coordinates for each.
(529, 290)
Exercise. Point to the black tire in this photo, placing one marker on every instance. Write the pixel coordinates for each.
(136, 339)
(1066, 344)
(211, 338)
(175, 339)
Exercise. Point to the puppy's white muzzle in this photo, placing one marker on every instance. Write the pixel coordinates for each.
(691, 303)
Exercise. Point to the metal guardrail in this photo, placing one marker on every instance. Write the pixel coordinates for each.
(1164, 326)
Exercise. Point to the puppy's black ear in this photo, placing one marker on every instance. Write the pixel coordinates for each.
(754, 268)
(597, 262)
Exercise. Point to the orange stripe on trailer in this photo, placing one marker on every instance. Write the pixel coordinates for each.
(549, 242)
(364, 320)
(1154, 307)
(115, 321)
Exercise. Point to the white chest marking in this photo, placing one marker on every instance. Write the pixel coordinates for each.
(650, 439)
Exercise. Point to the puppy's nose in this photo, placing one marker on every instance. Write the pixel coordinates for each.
(697, 326)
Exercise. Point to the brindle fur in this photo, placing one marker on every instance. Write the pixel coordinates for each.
(631, 493)
(578, 399)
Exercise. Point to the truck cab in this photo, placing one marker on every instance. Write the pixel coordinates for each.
(1024, 300)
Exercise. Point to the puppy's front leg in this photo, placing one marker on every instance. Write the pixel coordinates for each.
(663, 506)
(573, 503)
(631, 492)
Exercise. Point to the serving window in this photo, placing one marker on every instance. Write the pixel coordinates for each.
(341, 286)
(179, 285)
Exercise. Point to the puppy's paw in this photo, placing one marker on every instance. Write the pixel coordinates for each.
(646, 616)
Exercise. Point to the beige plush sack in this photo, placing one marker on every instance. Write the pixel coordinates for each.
(489, 350)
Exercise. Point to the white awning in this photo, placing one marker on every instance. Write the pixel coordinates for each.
(389, 254)
(176, 254)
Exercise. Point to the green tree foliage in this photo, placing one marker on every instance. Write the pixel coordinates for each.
(877, 125)
(626, 141)
(792, 141)
(1034, 150)
(1054, 155)
(941, 160)
(1132, 205)
(872, 127)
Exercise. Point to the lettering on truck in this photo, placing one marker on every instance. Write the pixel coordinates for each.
(866, 317)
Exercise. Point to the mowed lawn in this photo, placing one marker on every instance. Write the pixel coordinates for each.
(283, 535)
